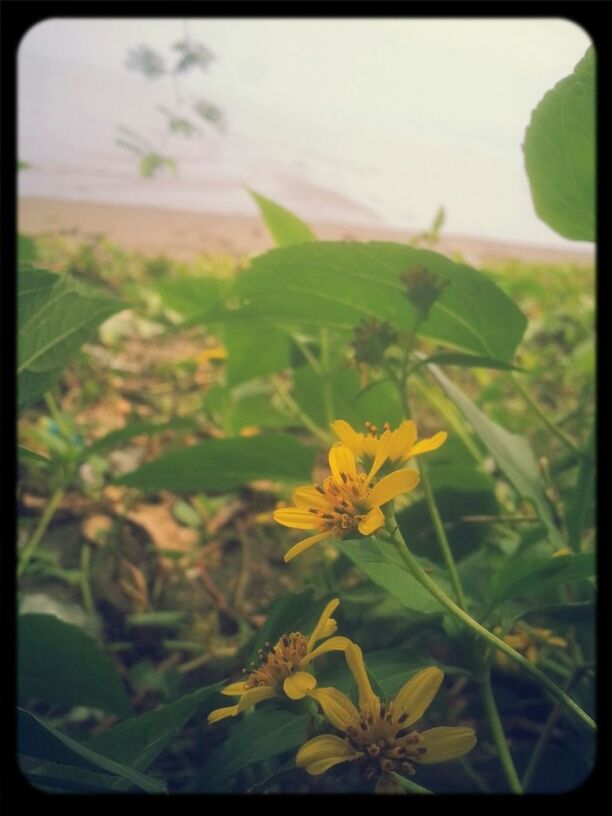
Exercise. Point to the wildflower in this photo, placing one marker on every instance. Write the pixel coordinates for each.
(528, 642)
(379, 736)
(282, 669)
(402, 444)
(346, 503)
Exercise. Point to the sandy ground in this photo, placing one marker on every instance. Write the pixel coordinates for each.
(185, 235)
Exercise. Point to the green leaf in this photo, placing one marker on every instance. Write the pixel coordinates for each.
(512, 453)
(70, 779)
(564, 613)
(254, 348)
(137, 742)
(154, 619)
(59, 663)
(35, 739)
(225, 464)
(379, 403)
(26, 453)
(26, 249)
(381, 563)
(255, 738)
(340, 284)
(536, 574)
(191, 297)
(560, 153)
(285, 227)
(582, 498)
(132, 429)
(55, 316)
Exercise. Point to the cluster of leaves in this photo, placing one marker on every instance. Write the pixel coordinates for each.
(286, 323)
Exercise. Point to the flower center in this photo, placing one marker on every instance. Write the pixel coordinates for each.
(348, 504)
(386, 743)
(279, 661)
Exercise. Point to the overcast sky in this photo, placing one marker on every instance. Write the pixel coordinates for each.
(401, 114)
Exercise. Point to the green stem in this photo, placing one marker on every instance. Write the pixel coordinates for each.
(31, 546)
(497, 643)
(497, 732)
(552, 427)
(441, 536)
(312, 360)
(328, 396)
(57, 415)
(88, 601)
(545, 735)
(295, 409)
(473, 774)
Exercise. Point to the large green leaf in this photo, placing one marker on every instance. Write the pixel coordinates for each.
(254, 349)
(59, 663)
(190, 296)
(137, 742)
(225, 464)
(55, 316)
(35, 739)
(285, 227)
(264, 734)
(340, 284)
(26, 249)
(527, 575)
(512, 453)
(560, 153)
(70, 779)
(381, 563)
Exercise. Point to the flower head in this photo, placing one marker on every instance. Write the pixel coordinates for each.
(402, 443)
(346, 504)
(283, 668)
(380, 737)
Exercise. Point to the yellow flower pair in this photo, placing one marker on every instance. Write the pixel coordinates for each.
(348, 503)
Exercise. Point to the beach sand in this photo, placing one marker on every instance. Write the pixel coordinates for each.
(185, 235)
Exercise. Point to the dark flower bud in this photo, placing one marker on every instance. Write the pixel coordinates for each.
(371, 339)
(423, 288)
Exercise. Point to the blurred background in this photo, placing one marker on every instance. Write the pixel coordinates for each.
(357, 122)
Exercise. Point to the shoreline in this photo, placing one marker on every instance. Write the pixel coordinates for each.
(185, 235)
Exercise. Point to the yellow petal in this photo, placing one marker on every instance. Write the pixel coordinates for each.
(341, 460)
(325, 616)
(403, 439)
(351, 438)
(295, 517)
(388, 784)
(445, 743)
(382, 454)
(309, 496)
(235, 689)
(304, 545)
(254, 696)
(416, 695)
(297, 685)
(334, 644)
(222, 713)
(400, 481)
(426, 445)
(322, 753)
(373, 521)
(329, 628)
(337, 707)
(354, 658)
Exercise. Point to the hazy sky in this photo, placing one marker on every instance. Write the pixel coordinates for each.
(400, 115)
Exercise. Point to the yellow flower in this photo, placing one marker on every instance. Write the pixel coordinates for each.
(402, 444)
(380, 737)
(527, 642)
(346, 504)
(282, 670)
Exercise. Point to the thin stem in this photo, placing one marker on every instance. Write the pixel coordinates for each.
(312, 360)
(545, 734)
(57, 415)
(424, 579)
(41, 528)
(328, 396)
(295, 409)
(497, 732)
(552, 427)
(88, 601)
(473, 774)
(441, 536)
